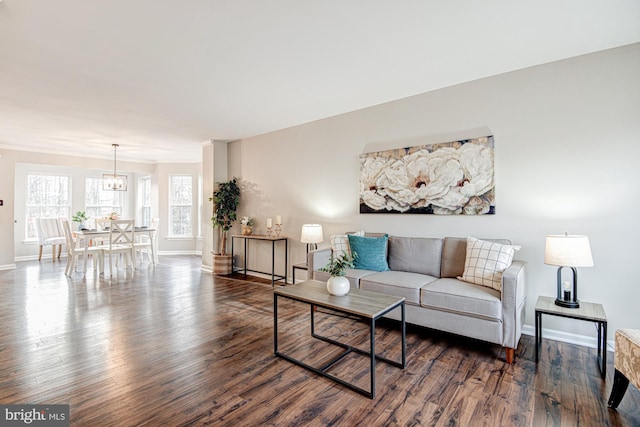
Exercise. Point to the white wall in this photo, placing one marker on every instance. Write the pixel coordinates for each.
(6, 211)
(177, 245)
(566, 156)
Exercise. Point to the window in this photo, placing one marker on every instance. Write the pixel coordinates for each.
(100, 203)
(181, 201)
(48, 196)
(145, 200)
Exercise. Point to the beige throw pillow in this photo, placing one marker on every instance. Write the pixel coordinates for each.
(340, 243)
(485, 262)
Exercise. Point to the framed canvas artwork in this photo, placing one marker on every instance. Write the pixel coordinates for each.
(450, 178)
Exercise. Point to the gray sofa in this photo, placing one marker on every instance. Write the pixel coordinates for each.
(425, 271)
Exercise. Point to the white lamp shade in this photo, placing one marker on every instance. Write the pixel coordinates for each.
(568, 251)
(311, 233)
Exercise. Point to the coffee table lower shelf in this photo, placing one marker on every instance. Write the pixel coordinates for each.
(360, 303)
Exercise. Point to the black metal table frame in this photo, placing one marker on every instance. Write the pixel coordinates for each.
(348, 349)
(602, 337)
(295, 267)
(274, 277)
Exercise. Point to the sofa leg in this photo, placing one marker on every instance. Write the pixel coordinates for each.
(510, 354)
(620, 384)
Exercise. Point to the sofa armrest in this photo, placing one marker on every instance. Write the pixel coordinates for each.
(317, 259)
(513, 302)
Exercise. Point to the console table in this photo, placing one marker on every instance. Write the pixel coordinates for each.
(587, 311)
(273, 240)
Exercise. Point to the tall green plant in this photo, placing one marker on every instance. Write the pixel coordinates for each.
(226, 198)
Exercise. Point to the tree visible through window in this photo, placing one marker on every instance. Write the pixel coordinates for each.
(47, 197)
(101, 203)
(181, 200)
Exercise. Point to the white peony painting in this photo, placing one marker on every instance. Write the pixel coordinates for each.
(451, 178)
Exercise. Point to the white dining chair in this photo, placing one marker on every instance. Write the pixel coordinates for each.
(120, 242)
(101, 224)
(146, 244)
(74, 251)
(49, 234)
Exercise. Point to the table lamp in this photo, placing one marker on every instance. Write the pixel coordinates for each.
(311, 235)
(568, 251)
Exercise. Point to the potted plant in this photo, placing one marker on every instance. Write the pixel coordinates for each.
(338, 284)
(226, 198)
(247, 225)
(81, 217)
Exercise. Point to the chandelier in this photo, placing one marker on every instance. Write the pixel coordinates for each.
(113, 181)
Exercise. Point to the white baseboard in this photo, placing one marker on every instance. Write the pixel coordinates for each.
(179, 253)
(583, 340)
(8, 267)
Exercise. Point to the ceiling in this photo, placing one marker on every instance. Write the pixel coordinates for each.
(160, 78)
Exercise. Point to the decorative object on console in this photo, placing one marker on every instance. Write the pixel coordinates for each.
(568, 251)
(450, 178)
(226, 198)
(247, 225)
(337, 284)
(269, 227)
(311, 235)
(278, 225)
(113, 181)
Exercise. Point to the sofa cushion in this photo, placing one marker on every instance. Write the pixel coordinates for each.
(415, 255)
(371, 252)
(454, 253)
(398, 283)
(352, 274)
(485, 262)
(340, 243)
(461, 297)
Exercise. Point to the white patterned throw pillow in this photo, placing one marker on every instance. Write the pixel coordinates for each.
(340, 243)
(485, 262)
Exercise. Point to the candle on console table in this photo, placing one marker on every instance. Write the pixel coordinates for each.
(269, 223)
(278, 220)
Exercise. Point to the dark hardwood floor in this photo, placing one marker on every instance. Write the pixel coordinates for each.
(175, 346)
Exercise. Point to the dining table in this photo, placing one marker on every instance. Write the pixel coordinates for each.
(87, 235)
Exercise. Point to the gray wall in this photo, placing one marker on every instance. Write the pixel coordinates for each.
(566, 159)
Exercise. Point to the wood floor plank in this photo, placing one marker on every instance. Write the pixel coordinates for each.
(176, 346)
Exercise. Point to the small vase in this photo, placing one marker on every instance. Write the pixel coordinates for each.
(247, 230)
(338, 285)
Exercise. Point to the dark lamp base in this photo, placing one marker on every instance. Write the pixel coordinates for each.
(568, 304)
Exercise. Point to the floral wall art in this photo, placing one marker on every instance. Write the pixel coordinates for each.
(451, 178)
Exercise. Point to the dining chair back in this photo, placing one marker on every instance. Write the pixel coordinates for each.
(73, 250)
(147, 243)
(120, 242)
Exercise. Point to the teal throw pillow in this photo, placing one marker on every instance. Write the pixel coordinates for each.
(371, 252)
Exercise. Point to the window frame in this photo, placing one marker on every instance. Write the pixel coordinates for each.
(100, 209)
(172, 204)
(30, 232)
